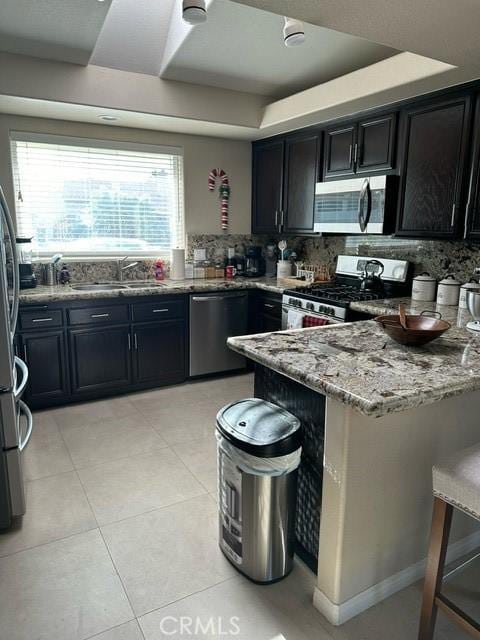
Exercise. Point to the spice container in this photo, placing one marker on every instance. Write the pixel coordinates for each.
(210, 272)
(198, 271)
(423, 288)
(219, 271)
(448, 291)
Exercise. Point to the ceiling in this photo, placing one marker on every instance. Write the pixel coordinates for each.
(133, 36)
(232, 76)
(65, 30)
(241, 48)
(445, 30)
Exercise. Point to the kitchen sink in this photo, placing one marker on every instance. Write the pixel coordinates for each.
(97, 287)
(143, 285)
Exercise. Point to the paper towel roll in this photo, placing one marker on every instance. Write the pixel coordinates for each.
(177, 265)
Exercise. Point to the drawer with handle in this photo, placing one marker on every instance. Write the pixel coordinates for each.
(113, 314)
(270, 305)
(40, 318)
(159, 310)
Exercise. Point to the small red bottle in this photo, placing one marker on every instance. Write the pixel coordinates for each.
(159, 270)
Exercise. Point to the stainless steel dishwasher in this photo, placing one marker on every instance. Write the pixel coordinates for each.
(214, 317)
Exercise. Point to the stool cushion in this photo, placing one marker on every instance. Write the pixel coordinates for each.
(457, 480)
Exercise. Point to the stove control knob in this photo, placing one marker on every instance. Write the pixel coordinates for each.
(321, 308)
(291, 301)
(310, 306)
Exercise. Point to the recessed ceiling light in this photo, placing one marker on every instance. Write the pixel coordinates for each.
(293, 32)
(108, 118)
(194, 11)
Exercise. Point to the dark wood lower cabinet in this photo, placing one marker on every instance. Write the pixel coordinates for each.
(159, 352)
(100, 359)
(45, 354)
(265, 312)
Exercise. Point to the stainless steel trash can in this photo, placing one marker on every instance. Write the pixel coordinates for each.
(258, 457)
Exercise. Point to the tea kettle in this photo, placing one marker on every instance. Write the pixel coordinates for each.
(371, 278)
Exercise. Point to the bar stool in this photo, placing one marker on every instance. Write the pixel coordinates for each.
(456, 484)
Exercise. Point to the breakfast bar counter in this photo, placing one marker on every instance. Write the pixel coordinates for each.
(389, 413)
(358, 365)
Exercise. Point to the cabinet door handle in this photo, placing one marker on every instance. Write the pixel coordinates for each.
(159, 310)
(282, 218)
(276, 218)
(269, 306)
(452, 221)
(129, 342)
(135, 341)
(42, 319)
(355, 154)
(350, 153)
(100, 315)
(25, 354)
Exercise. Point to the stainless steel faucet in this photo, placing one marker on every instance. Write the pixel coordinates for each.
(121, 267)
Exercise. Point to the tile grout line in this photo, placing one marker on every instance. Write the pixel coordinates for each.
(44, 544)
(190, 595)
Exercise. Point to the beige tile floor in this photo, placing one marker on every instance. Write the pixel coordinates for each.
(120, 538)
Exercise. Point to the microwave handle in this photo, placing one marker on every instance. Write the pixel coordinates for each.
(364, 205)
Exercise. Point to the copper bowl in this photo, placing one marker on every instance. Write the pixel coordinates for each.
(420, 329)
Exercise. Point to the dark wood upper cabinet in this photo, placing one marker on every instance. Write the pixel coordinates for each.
(472, 221)
(339, 147)
(45, 354)
(267, 186)
(301, 171)
(363, 147)
(434, 141)
(376, 143)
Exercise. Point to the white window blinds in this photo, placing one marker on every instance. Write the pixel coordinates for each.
(88, 197)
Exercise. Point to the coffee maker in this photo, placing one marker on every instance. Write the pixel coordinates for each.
(28, 279)
(254, 262)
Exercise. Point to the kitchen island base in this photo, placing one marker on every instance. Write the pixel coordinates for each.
(377, 500)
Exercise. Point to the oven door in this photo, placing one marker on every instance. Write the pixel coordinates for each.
(350, 206)
(294, 318)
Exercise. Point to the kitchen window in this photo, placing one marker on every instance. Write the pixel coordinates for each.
(84, 197)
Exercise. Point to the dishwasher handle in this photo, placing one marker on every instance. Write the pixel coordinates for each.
(218, 298)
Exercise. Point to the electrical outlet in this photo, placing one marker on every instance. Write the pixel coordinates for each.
(199, 255)
(477, 271)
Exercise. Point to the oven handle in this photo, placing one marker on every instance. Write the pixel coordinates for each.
(364, 216)
(28, 414)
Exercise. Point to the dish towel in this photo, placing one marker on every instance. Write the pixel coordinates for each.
(294, 319)
(313, 321)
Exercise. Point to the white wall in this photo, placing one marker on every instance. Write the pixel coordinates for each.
(202, 208)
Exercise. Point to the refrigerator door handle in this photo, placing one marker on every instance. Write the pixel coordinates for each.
(24, 371)
(28, 414)
(15, 271)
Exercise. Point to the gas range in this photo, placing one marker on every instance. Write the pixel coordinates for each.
(331, 301)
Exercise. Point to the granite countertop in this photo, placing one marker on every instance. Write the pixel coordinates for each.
(358, 365)
(454, 315)
(43, 294)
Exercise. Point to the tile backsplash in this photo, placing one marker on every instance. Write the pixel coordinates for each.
(438, 257)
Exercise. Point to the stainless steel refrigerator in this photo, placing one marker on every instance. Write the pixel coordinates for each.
(16, 421)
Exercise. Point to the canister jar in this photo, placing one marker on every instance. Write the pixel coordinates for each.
(424, 287)
(471, 285)
(448, 291)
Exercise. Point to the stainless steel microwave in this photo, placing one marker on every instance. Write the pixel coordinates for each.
(359, 205)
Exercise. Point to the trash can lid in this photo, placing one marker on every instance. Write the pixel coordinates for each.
(259, 427)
